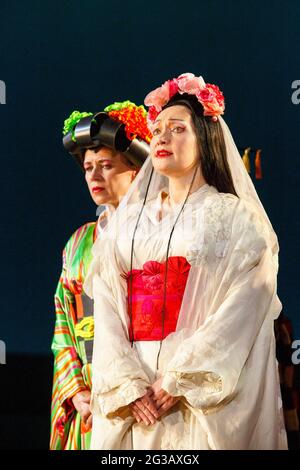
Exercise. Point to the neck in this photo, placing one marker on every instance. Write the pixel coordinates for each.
(180, 185)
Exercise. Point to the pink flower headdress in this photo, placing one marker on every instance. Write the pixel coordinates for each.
(210, 96)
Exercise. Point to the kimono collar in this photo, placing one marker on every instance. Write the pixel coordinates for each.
(155, 208)
(105, 213)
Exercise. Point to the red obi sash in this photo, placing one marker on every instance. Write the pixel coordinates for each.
(148, 297)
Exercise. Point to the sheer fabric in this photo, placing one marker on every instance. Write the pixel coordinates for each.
(221, 358)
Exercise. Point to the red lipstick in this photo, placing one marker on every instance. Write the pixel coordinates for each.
(163, 154)
(97, 189)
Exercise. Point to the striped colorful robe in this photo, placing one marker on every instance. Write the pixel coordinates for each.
(72, 363)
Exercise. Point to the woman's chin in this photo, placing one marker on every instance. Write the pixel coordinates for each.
(101, 199)
(163, 167)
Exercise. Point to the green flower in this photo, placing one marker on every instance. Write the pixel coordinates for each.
(73, 119)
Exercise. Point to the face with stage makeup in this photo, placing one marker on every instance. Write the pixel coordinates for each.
(108, 174)
(174, 147)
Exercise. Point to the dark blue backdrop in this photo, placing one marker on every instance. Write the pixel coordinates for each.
(56, 57)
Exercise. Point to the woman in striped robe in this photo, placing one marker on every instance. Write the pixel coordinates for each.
(109, 171)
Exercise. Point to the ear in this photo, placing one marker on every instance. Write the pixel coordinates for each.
(134, 173)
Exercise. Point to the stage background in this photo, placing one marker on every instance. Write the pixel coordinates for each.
(59, 56)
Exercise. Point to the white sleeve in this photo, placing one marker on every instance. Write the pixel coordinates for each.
(206, 367)
(118, 376)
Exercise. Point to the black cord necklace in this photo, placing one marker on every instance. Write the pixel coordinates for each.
(131, 259)
(167, 260)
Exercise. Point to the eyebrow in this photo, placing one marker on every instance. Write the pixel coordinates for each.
(104, 160)
(170, 119)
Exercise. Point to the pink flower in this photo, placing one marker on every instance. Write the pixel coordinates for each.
(217, 92)
(205, 96)
(152, 114)
(158, 97)
(173, 87)
(188, 83)
(212, 100)
(210, 96)
(212, 109)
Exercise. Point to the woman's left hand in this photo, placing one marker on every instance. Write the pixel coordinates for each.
(163, 400)
(144, 409)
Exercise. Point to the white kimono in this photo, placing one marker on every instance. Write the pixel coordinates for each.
(221, 359)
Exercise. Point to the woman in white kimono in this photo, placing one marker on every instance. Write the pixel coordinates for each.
(185, 294)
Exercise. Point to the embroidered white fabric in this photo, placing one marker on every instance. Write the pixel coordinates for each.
(221, 358)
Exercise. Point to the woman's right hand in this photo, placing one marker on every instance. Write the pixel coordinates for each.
(81, 402)
(144, 410)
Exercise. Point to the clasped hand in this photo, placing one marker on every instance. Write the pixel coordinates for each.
(153, 404)
(81, 403)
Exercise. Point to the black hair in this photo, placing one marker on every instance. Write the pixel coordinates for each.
(213, 155)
